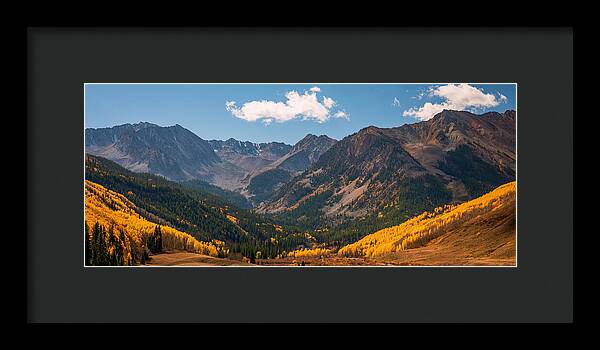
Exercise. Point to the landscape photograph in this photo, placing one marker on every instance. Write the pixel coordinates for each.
(300, 175)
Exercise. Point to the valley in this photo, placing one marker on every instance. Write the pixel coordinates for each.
(437, 192)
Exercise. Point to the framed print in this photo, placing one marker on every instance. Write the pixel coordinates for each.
(285, 175)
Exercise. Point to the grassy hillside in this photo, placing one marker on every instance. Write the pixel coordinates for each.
(128, 232)
(489, 218)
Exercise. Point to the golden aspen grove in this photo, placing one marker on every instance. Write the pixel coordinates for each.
(111, 209)
(423, 228)
(305, 252)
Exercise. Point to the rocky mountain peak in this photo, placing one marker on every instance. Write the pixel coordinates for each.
(143, 125)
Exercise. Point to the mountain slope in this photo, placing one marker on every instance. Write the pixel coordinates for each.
(357, 175)
(173, 152)
(201, 214)
(205, 216)
(455, 156)
(480, 231)
(232, 197)
(262, 182)
(129, 231)
(304, 153)
(474, 151)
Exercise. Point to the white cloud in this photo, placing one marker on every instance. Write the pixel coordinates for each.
(305, 106)
(315, 89)
(425, 112)
(396, 102)
(341, 114)
(328, 102)
(456, 97)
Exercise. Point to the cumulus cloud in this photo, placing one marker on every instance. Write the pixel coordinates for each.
(341, 114)
(297, 105)
(456, 97)
(328, 102)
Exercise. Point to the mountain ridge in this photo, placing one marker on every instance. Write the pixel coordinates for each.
(180, 155)
(173, 151)
(454, 156)
(462, 153)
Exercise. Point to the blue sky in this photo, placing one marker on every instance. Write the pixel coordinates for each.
(285, 112)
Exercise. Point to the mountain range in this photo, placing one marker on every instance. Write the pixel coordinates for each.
(252, 169)
(453, 157)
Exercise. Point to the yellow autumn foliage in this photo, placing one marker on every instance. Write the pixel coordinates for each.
(308, 252)
(111, 208)
(232, 219)
(421, 229)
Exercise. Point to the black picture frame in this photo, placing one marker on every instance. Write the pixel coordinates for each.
(61, 60)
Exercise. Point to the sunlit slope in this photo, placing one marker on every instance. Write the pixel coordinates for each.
(478, 231)
(111, 208)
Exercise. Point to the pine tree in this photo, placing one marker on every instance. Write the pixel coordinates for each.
(88, 246)
(155, 241)
(112, 247)
(96, 237)
(159, 246)
(119, 248)
(100, 254)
